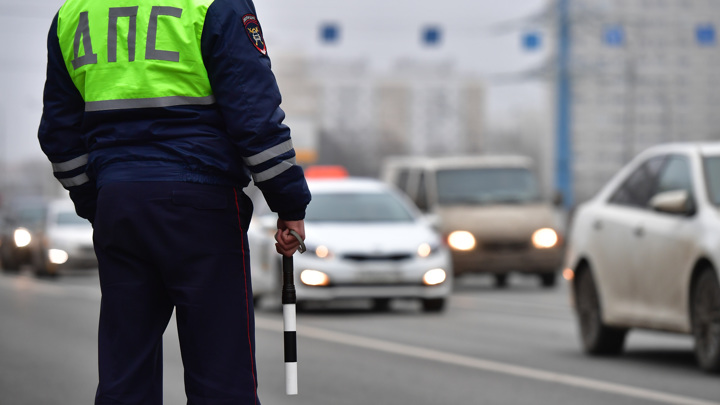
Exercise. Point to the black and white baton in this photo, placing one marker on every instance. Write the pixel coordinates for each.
(289, 321)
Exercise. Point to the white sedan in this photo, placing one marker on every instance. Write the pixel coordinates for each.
(366, 241)
(645, 252)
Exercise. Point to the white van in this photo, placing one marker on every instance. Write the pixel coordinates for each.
(490, 211)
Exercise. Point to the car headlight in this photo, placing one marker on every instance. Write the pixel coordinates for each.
(321, 251)
(22, 237)
(57, 256)
(545, 238)
(427, 249)
(434, 277)
(461, 240)
(314, 278)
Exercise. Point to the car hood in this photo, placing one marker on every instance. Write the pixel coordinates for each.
(498, 221)
(375, 238)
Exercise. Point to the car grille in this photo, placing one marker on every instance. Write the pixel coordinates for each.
(377, 258)
(505, 246)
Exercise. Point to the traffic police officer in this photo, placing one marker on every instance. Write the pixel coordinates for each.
(156, 114)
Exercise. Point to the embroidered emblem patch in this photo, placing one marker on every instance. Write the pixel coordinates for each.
(252, 27)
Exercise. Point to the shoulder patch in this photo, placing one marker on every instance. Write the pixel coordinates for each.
(254, 32)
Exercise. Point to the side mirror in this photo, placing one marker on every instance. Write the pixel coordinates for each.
(672, 202)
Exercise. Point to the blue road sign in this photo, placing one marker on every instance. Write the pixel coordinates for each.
(705, 34)
(531, 40)
(329, 33)
(431, 35)
(614, 35)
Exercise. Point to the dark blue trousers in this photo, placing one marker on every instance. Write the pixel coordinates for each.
(183, 246)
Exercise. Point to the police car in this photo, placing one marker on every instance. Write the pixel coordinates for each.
(365, 240)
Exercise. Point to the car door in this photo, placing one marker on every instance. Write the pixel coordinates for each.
(613, 241)
(665, 251)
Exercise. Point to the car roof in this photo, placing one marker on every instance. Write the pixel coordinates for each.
(702, 148)
(347, 185)
(456, 162)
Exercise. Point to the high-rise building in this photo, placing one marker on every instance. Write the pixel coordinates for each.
(342, 112)
(644, 72)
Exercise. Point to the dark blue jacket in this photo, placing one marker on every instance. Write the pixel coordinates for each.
(225, 143)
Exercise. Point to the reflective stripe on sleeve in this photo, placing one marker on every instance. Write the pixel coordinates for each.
(268, 154)
(74, 181)
(71, 164)
(274, 171)
(127, 104)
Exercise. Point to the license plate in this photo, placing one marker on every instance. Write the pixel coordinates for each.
(377, 277)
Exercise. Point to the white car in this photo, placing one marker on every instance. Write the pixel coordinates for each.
(365, 241)
(64, 240)
(645, 252)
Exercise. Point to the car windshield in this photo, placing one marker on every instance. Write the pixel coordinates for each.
(487, 186)
(712, 174)
(29, 216)
(356, 207)
(70, 218)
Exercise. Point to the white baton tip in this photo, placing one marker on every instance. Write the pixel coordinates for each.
(291, 385)
(289, 321)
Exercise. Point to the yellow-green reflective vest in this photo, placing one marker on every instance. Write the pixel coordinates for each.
(121, 54)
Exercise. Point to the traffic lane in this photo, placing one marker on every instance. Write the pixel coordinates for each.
(47, 344)
(535, 329)
(339, 368)
(405, 318)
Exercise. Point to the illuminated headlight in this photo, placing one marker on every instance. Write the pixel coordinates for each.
(434, 277)
(322, 251)
(544, 238)
(22, 237)
(57, 256)
(568, 274)
(461, 240)
(424, 250)
(314, 278)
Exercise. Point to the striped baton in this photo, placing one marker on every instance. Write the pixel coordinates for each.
(289, 321)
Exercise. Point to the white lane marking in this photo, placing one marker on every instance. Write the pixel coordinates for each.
(481, 364)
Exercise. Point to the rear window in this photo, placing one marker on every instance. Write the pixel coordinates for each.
(487, 186)
(357, 207)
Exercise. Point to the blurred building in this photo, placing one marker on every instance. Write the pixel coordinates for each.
(644, 72)
(342, 112)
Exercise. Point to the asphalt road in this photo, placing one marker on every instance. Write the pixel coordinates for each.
(513, 346)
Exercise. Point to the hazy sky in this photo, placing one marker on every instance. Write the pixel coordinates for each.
(379, 31)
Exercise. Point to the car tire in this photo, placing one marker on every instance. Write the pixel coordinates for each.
(433, 304)
(548, 280)
(705, 317)
(501, 280)
(596, 337)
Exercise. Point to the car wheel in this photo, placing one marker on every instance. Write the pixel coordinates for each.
(433, 304)
(548, 279)
(501, 280)
(596, 337)
(705, 315)
(381, 304)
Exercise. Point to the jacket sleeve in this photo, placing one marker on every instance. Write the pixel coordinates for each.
(249, 99)
(60, 134)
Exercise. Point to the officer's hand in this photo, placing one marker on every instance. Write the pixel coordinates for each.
(287, 244)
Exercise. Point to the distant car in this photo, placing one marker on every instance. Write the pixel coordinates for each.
(64, 241)
(22, 218)
(645, 252)
(366, 241)
(490, 210)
